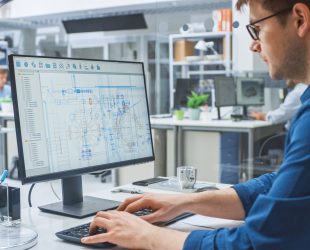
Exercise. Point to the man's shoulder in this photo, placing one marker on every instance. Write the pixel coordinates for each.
(302, 121)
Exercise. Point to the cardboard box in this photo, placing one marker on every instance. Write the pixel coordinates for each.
(183, 49)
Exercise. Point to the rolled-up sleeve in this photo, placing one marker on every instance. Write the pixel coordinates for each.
(232, 239)
(248, 191)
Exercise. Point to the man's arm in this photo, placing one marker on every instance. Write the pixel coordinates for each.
(229, 203)
(223, 203)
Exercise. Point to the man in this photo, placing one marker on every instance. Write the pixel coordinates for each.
(287, 109)
(5, 90)
(276, 207)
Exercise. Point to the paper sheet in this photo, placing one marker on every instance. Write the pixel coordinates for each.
(211, 222)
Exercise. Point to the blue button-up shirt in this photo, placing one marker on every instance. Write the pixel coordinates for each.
(277, 205)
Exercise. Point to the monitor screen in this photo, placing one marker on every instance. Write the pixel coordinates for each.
(250, 91)
(184, 87)
(77, 116)
(225, 93)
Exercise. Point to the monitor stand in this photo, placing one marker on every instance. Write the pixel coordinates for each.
(219, 113)
(74, 204)
(245, 113)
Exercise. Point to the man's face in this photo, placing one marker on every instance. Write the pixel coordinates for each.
(3, 79)
(278, 45)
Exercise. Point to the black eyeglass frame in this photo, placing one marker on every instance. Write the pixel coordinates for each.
(252, 28)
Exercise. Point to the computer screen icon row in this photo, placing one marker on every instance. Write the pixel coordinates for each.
(75, 120)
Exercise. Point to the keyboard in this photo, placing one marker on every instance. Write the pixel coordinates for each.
(75, 234)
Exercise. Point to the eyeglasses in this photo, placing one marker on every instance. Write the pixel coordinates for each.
(253, 29)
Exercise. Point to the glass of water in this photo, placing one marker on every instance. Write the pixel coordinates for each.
(187, 176)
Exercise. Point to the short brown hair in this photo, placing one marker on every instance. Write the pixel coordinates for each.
(273, 6)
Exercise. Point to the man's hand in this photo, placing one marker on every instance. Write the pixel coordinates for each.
(258, 116)
(164, 206)
(123, 229)
(129, 231)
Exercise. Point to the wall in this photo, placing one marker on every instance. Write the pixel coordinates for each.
(243, 58)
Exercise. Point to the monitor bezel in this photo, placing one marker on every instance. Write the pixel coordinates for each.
(238, 81)
(75, 172)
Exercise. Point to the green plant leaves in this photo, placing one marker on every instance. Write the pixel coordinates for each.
(195, 100)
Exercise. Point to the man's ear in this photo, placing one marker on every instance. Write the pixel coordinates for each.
(301, 19)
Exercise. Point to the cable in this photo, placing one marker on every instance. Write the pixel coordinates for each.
(29, 194)
(57, 196)
(267, 140)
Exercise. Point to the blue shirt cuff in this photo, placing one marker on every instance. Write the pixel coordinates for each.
(200, 239)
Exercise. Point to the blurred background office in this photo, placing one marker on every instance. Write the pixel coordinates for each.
(287, 110)
(5, 89)
(185, 46)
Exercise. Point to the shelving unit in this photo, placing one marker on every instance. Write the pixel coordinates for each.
(225, 65)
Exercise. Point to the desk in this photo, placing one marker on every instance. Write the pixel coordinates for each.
(253, 129)
(46, 225)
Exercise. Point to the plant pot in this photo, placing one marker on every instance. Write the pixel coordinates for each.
(179, 114)
(194, 114)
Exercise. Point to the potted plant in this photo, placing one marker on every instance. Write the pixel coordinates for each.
(194, 102)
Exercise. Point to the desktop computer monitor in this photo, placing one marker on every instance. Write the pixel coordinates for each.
(225, 93)
(250, 92)
(76, 116)
(184, 88)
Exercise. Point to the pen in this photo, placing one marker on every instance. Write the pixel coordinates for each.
(128, 191)
(3, 176)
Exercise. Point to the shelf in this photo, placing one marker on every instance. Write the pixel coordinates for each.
(201, 62)
(162, 61)
(186, 63)
(199, 35)
(209, 72)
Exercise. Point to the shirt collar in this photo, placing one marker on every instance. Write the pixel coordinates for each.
(306, 95)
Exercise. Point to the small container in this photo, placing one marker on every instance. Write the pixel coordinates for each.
(179, 114)
(187, 176)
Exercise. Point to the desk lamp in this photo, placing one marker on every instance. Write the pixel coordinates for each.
(205, 46)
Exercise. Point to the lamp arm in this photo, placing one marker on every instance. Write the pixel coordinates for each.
(214, 51)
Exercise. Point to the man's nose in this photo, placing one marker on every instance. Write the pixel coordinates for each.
(255, 46)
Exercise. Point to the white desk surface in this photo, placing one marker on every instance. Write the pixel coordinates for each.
(212, 123)
(46, 225)
(6, 115)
